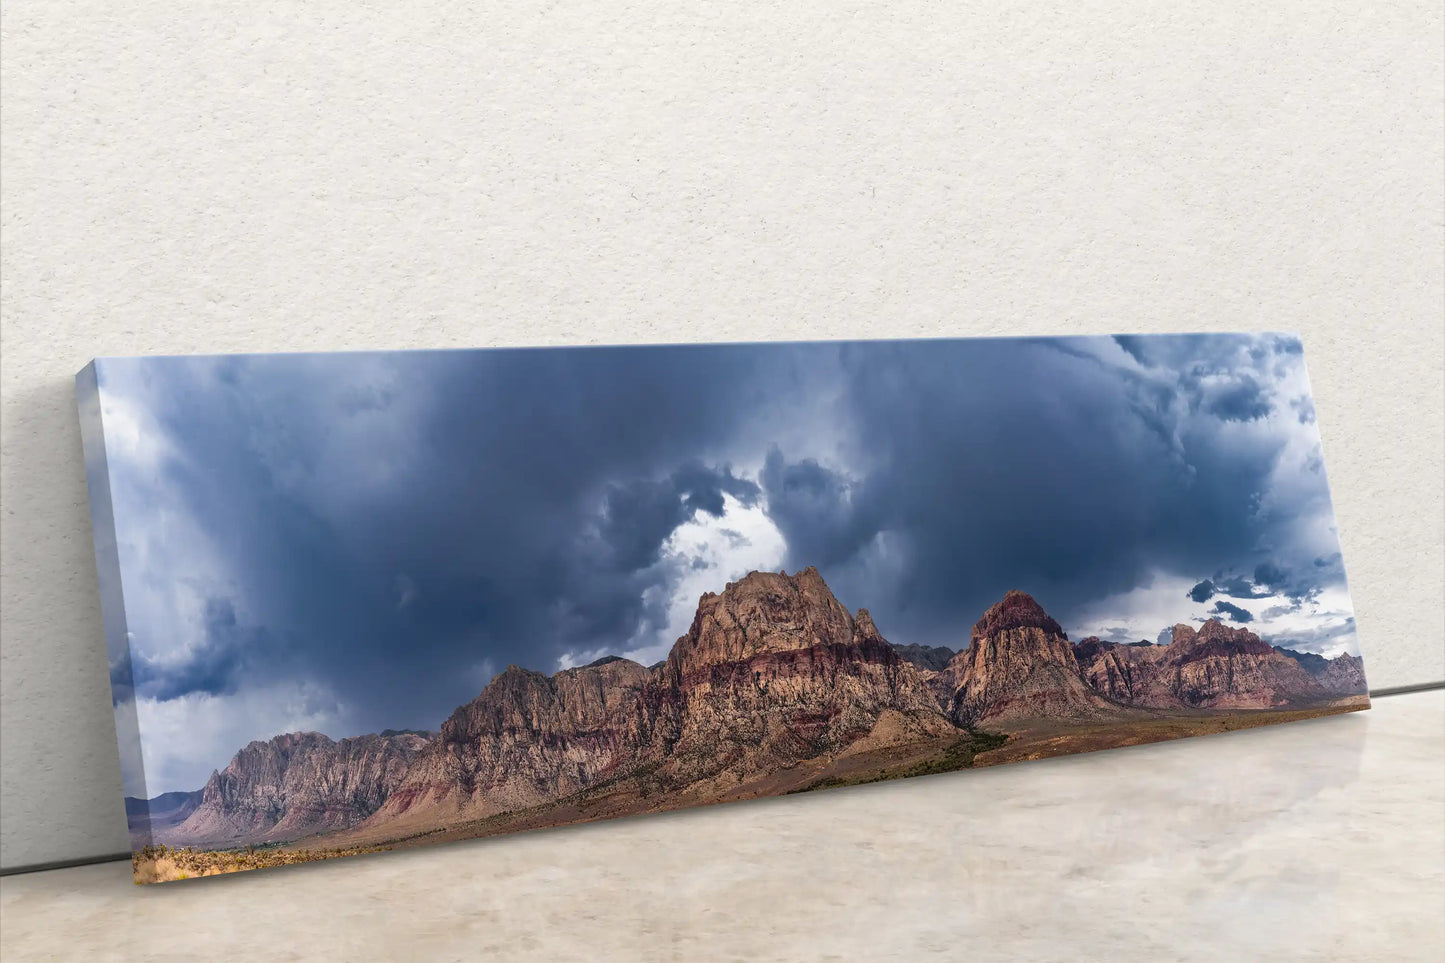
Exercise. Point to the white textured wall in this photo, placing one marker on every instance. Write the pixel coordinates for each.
(269, 177)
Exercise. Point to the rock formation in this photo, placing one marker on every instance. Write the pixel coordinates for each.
(1212, 667)
(1120, 673)
(1312, 663)
(929, 658)
(1019, 664)
(1344, 675)
(772, 671)
(526, 739)
(295, 785)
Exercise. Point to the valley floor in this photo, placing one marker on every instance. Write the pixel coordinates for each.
(1044, 738)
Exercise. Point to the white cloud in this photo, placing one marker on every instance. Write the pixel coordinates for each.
(1323, 624)
(170, 566)
(183, 740)
(716, 551)
(132, 436)
(570, 660)
(709, 552)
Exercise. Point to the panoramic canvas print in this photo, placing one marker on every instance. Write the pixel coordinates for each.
(360, 602)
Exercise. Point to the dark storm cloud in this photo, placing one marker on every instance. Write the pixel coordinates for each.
(122, 676)
(1232, 612)
(522, 496)
(1299, 584)
(1210, 380)
(395, 526)
(1268, 579)
(1240, 400)
(1239, 587)
(639, 515)
(1271, 576)
(212, 668)
(825, 517)
(992, 465)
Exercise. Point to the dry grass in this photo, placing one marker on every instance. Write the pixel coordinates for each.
(958, 755)
(1045, 738)
(161, 864)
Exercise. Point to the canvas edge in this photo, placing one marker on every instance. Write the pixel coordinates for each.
(112, 601)
(1334, 513)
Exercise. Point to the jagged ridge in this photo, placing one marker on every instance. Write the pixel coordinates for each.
(297, 784)
(1019, 664)
(1212, 667)
(773, 671)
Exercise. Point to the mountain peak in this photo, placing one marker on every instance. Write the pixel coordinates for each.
(764, 611)
(759, 579)
(1017, 610)
(1020, 665)
(1214, 635)
(1090, 647)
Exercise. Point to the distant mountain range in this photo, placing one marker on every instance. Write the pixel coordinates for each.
(161, 812)
(775, 687)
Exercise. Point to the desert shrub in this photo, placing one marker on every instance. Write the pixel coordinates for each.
(157, 864)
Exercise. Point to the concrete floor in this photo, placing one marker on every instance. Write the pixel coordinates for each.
(1316, 840)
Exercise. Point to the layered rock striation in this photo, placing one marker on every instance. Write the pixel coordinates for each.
(1212, 667)
(296, 785)
(1019, 664)
(772, 672)
(1343, 675)
(526, 739)
(928, 658)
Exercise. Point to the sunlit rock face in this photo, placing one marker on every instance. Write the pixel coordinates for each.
(525, 739)
(1019, 664)
(1212, 667)
(774, 670)
(297, 785)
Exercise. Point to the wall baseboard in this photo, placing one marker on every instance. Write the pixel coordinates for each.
(1405, 689)
(62, 864)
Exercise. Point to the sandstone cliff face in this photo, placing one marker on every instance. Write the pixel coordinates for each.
(1120, 673)
(1213, 667)
(1019, 664)
(927, 658)
(298, 784)
(775, 670)
(1344, 675)
(1218, 667)
(526, 739)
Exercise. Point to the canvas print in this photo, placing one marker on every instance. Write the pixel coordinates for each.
(360, 602)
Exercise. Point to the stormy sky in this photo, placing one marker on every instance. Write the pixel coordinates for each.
(353, 542)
